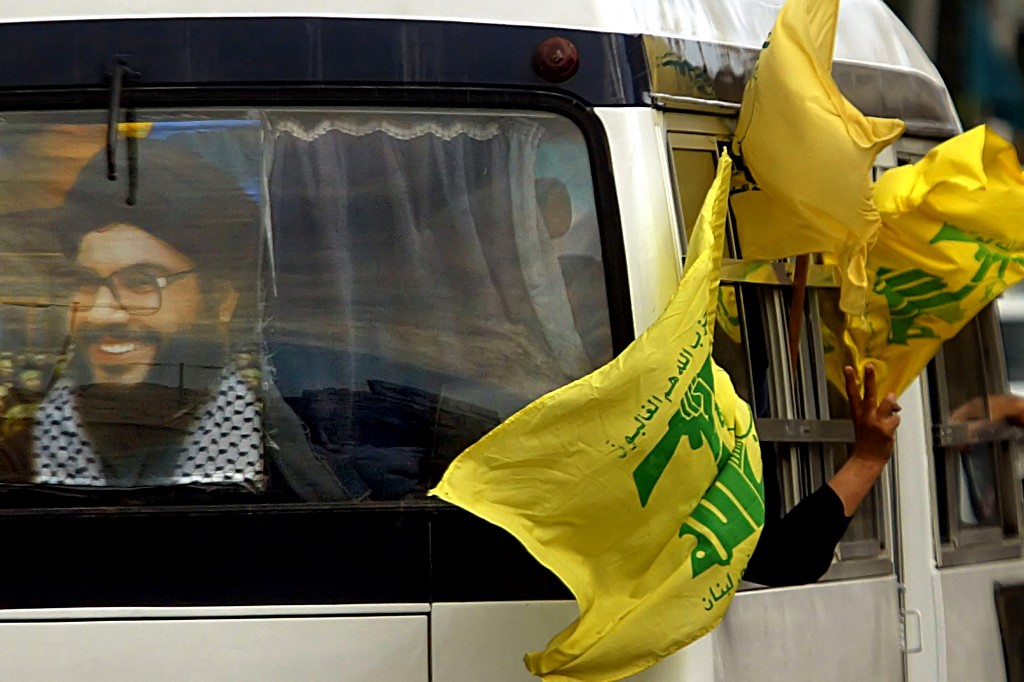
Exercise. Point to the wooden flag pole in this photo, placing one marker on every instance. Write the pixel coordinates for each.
(796, 308)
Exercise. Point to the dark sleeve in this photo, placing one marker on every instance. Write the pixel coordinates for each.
(798, 548)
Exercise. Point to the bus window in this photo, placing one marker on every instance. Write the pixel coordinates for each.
(695, 171)
(436, 271)
(284, 305)
(864, 538)
(1011, 322)
(694, 166)
(730, 346)
(803, 418)
(978, 490)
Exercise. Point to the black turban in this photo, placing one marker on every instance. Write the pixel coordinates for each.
(181, 198)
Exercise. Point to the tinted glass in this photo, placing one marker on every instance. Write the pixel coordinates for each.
(304, 305)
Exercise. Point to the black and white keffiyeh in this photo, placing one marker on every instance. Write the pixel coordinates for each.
(225, 445)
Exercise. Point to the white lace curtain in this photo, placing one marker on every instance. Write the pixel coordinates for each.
(421, 234)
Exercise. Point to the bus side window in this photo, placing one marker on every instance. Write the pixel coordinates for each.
(803, 419)
(974, 415)
(974, 387)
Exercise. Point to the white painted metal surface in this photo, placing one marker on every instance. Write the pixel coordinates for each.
(487, 641)
(916, 509)
(973, 644)
(841, 632)
(639, 152)
(370, 649)
(191, 612)
(869, 32)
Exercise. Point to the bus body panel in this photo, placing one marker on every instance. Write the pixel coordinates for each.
(338, 649)
(487, 641)
(869, 33)
(843, 631)
(868, 30)
(649, 233)
(922, 592)
(974, 647)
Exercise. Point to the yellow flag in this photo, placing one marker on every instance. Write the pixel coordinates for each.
(952, 241)
(640, 485)
(808, 153)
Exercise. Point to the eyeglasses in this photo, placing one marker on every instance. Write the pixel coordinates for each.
(136, 290)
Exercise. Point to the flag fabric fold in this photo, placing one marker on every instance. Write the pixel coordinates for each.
(807, 152)
(640, 485)
(952, 241)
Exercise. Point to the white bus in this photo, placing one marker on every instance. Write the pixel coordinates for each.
(453, 208)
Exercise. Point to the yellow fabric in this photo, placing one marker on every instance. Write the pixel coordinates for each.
(728, 315)
(952, 241)
(808, 153)
(135, 129)
(640, 485)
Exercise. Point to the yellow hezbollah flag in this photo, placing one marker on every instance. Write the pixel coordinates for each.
(952, 241)
(808, 153)
(639, 485)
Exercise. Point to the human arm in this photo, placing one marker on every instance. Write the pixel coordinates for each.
(991, 417)
(874, 429)
(798, 548)
(995, 407)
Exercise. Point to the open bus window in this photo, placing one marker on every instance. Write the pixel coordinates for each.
(802, 417)
(285, 305)
(827, 324)
(977, 493)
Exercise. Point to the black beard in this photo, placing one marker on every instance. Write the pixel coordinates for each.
(158, 411)
(187, 360)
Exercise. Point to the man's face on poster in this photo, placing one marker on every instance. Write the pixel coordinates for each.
(137, 295)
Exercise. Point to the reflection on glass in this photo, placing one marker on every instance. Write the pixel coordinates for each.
(695, 171)
(964, 381)
(969, 396)
(1011, 318)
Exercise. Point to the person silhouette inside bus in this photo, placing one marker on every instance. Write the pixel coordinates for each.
(986, 419)
(583, 274)
(160, 386)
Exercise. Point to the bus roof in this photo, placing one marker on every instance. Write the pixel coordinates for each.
(870, 36)
(868, 31)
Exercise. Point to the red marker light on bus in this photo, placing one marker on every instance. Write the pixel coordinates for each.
(556, 60)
